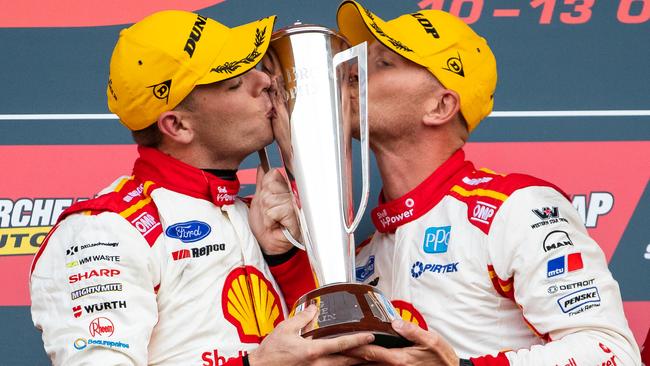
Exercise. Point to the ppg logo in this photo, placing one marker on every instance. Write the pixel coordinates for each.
(436, 239)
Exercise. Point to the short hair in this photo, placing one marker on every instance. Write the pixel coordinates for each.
(152, 136)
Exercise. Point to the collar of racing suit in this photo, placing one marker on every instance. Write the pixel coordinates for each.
(173, 174)
(388, 216)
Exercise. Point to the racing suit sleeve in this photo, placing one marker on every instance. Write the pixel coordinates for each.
(293, 275)
(560, 281)
(92, 291)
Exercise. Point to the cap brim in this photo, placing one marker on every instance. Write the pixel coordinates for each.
(245, 47)
(358, 24)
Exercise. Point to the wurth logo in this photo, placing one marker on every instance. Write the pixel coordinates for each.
(76, 311)
(106, 305)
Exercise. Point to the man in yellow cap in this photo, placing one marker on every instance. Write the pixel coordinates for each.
(498, 267)
(162, 267)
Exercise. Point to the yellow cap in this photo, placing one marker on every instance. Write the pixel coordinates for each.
(458, 57)
(159, 60)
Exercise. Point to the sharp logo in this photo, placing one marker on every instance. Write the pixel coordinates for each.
(195, 35)
(426, 24)
(25, 222)
(556, 239)
(94, 273)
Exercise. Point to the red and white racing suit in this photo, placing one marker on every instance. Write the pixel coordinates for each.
(502, 267)
(160, 269)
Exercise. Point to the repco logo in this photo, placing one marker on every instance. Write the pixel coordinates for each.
(195, 35)
(426, 24)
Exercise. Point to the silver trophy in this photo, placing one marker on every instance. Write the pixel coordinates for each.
(319, 87)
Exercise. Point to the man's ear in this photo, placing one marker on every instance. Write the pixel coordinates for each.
(444, 105)
(176, 128)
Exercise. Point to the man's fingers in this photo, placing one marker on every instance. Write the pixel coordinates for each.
(374, 353)
(300, 320)
(414, 333)
(343, 343)
(338, 360)
(259, 177)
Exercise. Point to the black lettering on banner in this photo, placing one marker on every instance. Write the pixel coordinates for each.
(426, 24)
(195, 35)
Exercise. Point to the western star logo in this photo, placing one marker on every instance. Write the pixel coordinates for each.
(94, 273)
(93, 258)
(555, 240)
(95, 289)
(426, 24)
(579, 299)
(198, 252)
(548, 215)
(101, 327)
(106, 305)
(419, 268)
(195, 35)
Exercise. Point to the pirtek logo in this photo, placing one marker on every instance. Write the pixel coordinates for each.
(195, 35)
(426, 24)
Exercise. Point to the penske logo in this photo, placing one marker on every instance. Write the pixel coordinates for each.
(251, 304)
(409, 313)
(25, 222)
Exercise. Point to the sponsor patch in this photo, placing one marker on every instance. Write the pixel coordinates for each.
(570, 286)
(109, 287)
(93, 273)
(106, 305)
(189, 232)
(561, 265)
(365, 271)
(81, 343)
(548, 215)
(418, 268)
(101, 327)
(198, 252)
(555, 240)
(93, 258)
(436, 239)
(579, 300)
(483, 212)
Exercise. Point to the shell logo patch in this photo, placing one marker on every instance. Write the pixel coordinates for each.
(409, 313)
(251, 304)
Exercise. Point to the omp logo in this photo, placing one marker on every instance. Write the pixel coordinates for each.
(251, 304)
(198, 252)
(101, 327)
(556, 239)
(436, 239)
(25, 222)
(426, 24)
(409, 313)
(145, 222)
(195, 35)
(188, 232)
(600, 203)
(483, 212)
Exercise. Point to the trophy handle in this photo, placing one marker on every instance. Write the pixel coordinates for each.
(360, 52)
(266, 166)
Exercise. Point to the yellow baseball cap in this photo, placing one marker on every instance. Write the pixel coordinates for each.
(458, 57)
(159, 60)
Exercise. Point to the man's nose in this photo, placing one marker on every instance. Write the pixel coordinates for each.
(262, 81)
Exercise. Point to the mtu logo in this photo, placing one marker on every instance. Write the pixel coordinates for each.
(436, 239)
(566, 263)
(365, 271)
(188, 232)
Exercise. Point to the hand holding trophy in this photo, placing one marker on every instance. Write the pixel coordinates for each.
(314, 76)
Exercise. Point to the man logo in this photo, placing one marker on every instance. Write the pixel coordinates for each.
(161, 90)
(556, 239)
(455, 65)
(436, 239)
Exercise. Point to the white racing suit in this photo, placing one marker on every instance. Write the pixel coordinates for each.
(161, 269)
(502, 267)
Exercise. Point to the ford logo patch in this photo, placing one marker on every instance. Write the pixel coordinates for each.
(188, 232)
